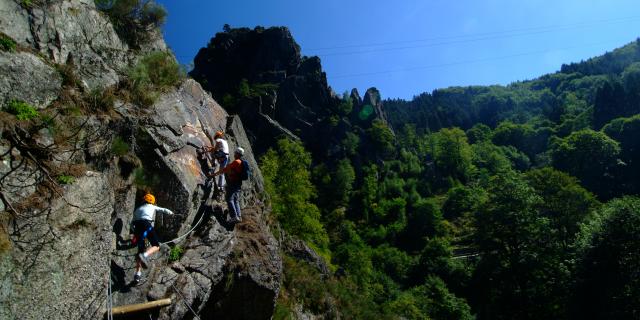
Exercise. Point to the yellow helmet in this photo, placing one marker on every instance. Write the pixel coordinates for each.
(149, 198)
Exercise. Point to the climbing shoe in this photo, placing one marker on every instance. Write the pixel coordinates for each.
(144, 260)
(136, 278)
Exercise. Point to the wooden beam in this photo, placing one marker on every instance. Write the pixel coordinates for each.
(140, 306)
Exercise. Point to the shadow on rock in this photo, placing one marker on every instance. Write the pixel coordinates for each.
(118, 278)
(221, 215)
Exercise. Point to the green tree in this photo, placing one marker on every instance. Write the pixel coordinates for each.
(522, 136)
(489, 158)
(392, 262)
(479, 133)
(431, 300)
(452, 154)
(288, 183)
(342, 182)
(608, 285)
(382, 138)
(350, 144)
(368, 192)
(462, 200)
(345, 106)
(519, 275)
(590, 156)
(424, 221)
(354, 255)
(626, 131)
(408, 138)
(565, 202)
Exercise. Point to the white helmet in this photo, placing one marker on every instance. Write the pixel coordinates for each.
(240, 151)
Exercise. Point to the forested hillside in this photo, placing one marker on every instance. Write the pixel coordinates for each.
(492, 201)
(498, 202)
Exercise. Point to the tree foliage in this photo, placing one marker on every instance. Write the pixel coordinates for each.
(591, 156)
(288, 183)
(608, 283)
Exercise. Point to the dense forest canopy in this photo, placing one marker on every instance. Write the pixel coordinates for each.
(485, 202)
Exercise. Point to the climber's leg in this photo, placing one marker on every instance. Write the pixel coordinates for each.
(233, 201)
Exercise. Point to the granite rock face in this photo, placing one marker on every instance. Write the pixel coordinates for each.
(26, 77)
(215, 252)
(58, 265)
(69, 243)
(72, 32)
(81, 241)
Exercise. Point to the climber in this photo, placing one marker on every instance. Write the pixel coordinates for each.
(220, 152)
(142, 223)
(234, 172)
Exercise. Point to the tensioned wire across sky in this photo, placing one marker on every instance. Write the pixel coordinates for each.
(407, 47)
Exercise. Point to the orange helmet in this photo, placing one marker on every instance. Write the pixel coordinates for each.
(218, 134)
(149, 198)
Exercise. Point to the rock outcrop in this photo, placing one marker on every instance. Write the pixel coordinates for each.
(58, 266)
(74, 32)
(278, 92)
(64, 241)
(243, 261)
(26, 77)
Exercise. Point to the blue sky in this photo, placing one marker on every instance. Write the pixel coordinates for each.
(406, 47)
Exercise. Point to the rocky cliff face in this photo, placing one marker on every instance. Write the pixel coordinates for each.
(63, 242)
(224, 270)
(276, 91)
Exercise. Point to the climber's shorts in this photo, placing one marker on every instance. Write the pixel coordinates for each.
(139, 229)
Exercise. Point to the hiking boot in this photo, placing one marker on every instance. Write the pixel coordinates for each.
(137, 278)
(144, 260)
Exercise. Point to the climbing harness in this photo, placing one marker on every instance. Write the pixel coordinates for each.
(144, 236)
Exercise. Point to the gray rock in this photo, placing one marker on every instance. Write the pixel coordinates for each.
(251, 279)
(61, 268)
(27, 78)
(74, 31)
(215, 254)
(64, 259)
(20, 178)
(355, 97)
(15, 22)
(372, 98)
(301, 251)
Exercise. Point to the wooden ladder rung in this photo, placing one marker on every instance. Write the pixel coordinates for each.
(120, 310)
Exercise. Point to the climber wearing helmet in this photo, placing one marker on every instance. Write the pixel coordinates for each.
(234, 172)
(220, 152)
(142, 223)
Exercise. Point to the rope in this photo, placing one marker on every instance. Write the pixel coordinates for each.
(109, 297)
(180, 238)
(185, 301)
